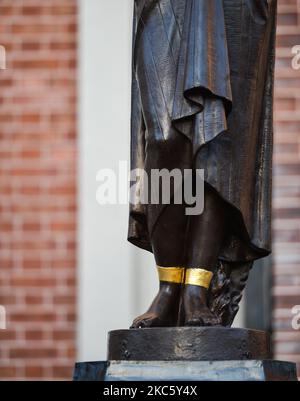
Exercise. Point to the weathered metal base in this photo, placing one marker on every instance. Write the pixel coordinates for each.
(186, 371)
(188, 344)
(187, 354)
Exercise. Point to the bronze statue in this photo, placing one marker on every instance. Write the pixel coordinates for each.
(202, 94)
(202, 103)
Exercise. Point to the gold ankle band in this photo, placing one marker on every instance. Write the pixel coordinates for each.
(199, 277)
(171, 274)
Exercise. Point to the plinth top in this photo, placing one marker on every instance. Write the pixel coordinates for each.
(188, 344)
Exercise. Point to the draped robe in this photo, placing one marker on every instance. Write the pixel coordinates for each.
(202, 98)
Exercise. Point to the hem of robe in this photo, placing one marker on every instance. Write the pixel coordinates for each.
(245, 250)
(195, 100)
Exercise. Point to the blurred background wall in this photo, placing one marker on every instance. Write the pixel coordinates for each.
(286, 217)
(38, 211)
(67, 275)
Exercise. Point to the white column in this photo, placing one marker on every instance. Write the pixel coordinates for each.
(109, 291)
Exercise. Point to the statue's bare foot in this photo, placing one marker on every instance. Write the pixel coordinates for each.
(163, 311)
(196, 310)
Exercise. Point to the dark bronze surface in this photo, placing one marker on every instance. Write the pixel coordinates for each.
(164, 309)
(188, 344)
(202, 98)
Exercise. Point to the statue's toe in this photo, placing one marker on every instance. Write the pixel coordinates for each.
(143, 322)
(138, 324)
(195, 322)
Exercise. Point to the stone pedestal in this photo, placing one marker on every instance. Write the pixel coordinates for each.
(185, 371)
(188, 354)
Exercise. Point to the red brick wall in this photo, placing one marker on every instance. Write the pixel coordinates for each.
(287, 185)
(37, 188)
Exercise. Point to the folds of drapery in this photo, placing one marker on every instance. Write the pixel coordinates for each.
(225, 57)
